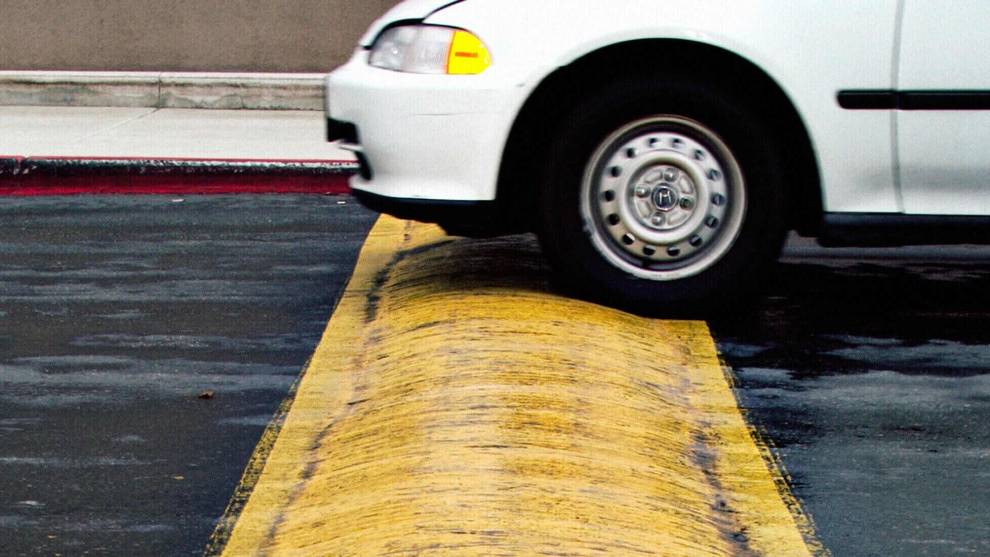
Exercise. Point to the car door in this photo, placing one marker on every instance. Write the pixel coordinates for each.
(943, 93)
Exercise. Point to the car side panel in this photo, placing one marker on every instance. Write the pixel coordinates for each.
(945, 154)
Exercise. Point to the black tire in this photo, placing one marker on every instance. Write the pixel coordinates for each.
(730, 259)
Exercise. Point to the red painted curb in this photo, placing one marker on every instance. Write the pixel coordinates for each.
(166, 184)
(36, 176)
(325, 162)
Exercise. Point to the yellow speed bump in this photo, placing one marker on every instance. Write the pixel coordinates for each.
(456, 407)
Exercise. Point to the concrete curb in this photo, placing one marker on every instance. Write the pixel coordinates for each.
(74, 176)
(256, 91)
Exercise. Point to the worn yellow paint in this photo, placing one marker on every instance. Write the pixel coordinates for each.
(456, 407)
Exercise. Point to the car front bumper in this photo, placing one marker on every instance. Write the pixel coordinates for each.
(420, 137)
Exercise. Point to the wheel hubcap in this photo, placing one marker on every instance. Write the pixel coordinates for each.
(663, 198)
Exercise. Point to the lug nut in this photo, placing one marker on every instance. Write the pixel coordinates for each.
(642, 191)
(671, 175)
(657, 220)
(687, 203)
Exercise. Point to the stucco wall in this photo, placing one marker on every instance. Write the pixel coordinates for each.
(182, 35)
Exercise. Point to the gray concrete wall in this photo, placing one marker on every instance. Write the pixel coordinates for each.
(182, 35)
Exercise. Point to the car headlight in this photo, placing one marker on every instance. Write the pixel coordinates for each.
(430, 49)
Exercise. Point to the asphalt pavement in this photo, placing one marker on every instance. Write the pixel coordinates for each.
(145, 344)
(869, 370)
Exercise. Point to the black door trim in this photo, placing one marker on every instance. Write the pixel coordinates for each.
(881, 99)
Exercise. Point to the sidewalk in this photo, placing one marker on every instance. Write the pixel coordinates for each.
(66, 150)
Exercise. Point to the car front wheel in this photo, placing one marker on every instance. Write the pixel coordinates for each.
(663, 195)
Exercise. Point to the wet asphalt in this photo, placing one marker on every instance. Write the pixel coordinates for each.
(116, 315)
(868, 370)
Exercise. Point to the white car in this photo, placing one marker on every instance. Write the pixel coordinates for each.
(661, 149)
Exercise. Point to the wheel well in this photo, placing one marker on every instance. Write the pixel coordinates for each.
(531, 134)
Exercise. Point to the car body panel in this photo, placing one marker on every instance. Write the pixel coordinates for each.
(442, 137)
(944, 156)
(426, 136)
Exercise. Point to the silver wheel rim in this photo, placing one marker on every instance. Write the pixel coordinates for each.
(663, 198)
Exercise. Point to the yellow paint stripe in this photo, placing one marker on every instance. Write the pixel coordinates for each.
(456, 407)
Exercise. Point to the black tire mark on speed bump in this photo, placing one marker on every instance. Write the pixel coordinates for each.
(371, 310)
(733, 533)
(375, 295)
